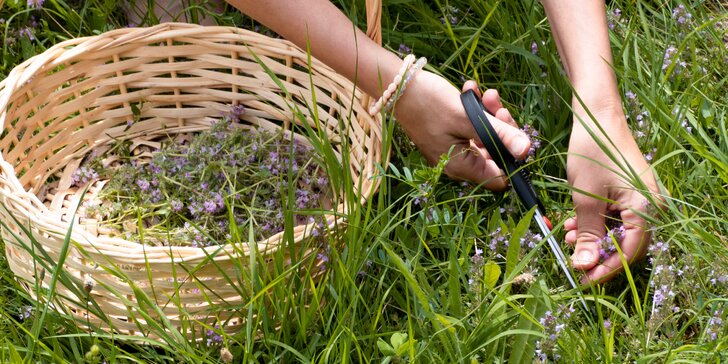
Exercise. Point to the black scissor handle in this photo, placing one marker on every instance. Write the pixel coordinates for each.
(518, 175)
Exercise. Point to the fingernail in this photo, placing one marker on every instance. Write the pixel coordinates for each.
(585, 256)
(520, 146)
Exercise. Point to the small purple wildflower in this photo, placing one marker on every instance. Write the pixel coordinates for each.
(715, 324)
(476, 270)
(451, 15)
(35, 3)
(553, 324)
(497, 238)
(650, 155)
(681, 15)
(26, 32)
(607, 324)
(667, 59)
(322, 182)
(658, 246)
(237, 112)
(143, 184)
(213, 337)
(83, 175)
(423, 191)
(25, 312)
(404, 50)
(686, 125)
(606, 243)
(671, 57)
(453, 20)
(661, 295)
(534, 47)
(324, 259)
(530, 239)
(210, 207)
(614, 17)
(533, 135)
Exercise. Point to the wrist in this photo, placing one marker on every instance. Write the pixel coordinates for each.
(604, 104)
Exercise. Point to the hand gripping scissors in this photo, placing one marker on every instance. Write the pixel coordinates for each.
(517, 174)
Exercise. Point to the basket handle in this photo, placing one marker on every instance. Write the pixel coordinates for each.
(374, 20)
(374, 32)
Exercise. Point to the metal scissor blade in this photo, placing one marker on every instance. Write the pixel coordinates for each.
(560, 257)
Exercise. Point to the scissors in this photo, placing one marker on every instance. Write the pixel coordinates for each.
(517, 174)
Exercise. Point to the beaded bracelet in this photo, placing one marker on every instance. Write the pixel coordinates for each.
(410, 74)
(390, 90)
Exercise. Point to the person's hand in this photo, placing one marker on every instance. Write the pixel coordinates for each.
(431, 113)
(591, 171)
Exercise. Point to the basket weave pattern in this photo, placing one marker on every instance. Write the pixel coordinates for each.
(77, 97)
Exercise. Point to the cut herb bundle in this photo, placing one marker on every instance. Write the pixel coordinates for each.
(195, 189)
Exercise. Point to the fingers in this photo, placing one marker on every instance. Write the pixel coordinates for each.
(472, 162)
(513, 138)
(633, 245)
(570, 225)
(492, 102)
(590, 230)
(471, 85)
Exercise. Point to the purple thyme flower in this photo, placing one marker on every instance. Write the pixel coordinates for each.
(213, 337)
(35, 3)
(324, 259)
(25, 312)
(404, 50)
(681, 15)
(530, 239)
(143, 184)
(533, 135)
(237, 112)
(685, 125)
(83, 175)
(650, 155)
(667, 58)
(210, 207)
(614, 17)
(553, 324)
(670, 58)
(714, 325)
(497, 238)
(661, 295)
(176, 205)
(606, 244)
(26, 32)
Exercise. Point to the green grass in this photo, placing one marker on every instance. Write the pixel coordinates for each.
(402, 285)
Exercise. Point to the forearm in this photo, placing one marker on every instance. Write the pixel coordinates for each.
(582, 38)
(331, 37)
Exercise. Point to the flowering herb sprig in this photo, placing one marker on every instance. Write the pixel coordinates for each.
(192, 191)
(533, 135)
(682, 16)
(607, 245)
(553, 323)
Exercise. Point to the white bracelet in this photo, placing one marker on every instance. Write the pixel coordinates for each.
(410, 74)
(377, 106)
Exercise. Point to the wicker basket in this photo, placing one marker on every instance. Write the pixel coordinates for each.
(78, 95)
